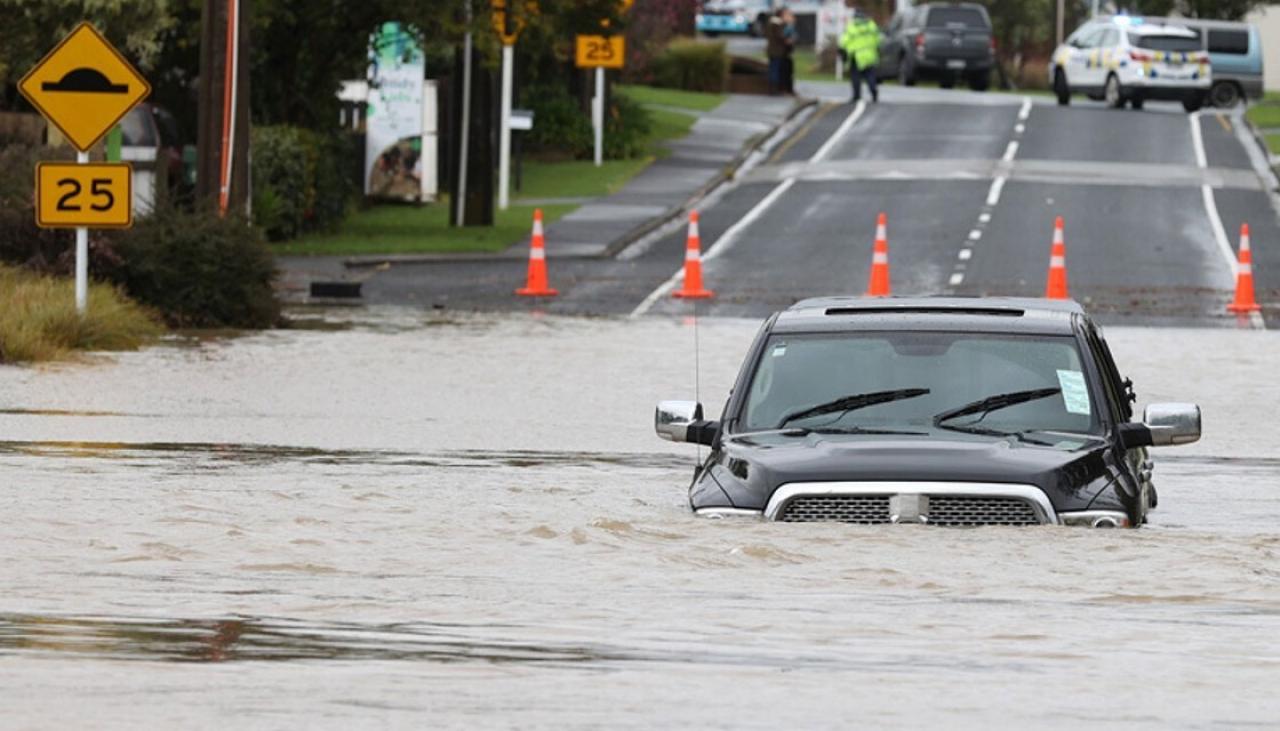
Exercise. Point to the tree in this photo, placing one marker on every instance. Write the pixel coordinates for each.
(1214, 9)
(31, 28)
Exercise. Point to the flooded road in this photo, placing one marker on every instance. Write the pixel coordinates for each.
(461, 522)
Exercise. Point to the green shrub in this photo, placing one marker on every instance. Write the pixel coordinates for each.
(300, 180)
(561, 128)
(692, 65)
(199, 269)
(38, 318)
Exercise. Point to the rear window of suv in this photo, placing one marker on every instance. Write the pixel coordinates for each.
(1153, 42)
(945, 17)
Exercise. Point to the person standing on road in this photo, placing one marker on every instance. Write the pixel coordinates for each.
(776, 50)
(788, 77)
(861, 44)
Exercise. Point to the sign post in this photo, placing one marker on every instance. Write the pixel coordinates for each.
(600, 53)
(508, 21)
(84, 87)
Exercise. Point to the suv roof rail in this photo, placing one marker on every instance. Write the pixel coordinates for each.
(928, 310)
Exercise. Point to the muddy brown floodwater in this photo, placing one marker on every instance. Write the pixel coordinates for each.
(468, 522)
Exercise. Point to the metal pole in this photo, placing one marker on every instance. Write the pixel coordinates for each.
(1095, 9)
(597, 115)
(1061, 21)
(82, 256)
(504, 129)
(464, 134)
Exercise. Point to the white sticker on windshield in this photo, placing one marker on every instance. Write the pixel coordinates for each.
(1074, 393)
(779, 350)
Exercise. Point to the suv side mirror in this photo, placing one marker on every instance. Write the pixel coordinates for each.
(1163, 425)
(1172, 424)
(681, 421)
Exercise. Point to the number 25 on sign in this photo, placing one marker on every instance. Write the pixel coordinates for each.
(97, 195)
(600, 52)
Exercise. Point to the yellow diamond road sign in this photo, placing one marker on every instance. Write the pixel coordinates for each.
(84, 86)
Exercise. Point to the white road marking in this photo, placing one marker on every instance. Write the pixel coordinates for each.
(966, 254)
(848, 123)
(721, 244)
(1019, 128)
(993, 195)
(1010, 151)
(975, 234)
(731, 235)
(985, 217)
(1025, 111)
(956, 279)
(1211, 208)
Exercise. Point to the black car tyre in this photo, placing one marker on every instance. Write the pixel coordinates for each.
(1137, 103)
(906, 74)
(1060, 88)
(1113, 94)
(1225, 94)
(947, 81)
(980, 81)
(1192, 104)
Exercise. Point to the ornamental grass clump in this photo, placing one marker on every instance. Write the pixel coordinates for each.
(39, 322)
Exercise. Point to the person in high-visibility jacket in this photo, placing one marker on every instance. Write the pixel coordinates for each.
(860, 43)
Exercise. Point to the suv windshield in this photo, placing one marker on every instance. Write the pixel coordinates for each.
(934, 373)
(1166, 43)
(946, 17)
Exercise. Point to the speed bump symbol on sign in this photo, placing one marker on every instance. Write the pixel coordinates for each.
(600, 52)
(97, 195)
(84, 86)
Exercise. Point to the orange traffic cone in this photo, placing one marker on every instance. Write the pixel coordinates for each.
(1244, 301)
(693, 265)
(879, 284)
(1056, 287)
(536, 284)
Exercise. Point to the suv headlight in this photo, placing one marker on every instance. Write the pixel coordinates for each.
(1096, 518)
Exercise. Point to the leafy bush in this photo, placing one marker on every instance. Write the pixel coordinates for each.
(692, 65)
(199, 269)
(562, 129)
(300, 180)
(38, 318)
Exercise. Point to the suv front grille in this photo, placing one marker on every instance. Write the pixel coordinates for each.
(943, 510)
(951, 510)
(862, 509)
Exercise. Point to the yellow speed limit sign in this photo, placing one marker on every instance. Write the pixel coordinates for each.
(98, 195)
(600, 52)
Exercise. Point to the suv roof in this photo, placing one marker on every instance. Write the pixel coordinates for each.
(1022, 315)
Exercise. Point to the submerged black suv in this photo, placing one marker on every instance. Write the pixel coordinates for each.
(946, 411)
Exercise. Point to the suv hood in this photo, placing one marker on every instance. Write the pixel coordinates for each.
(750, 467)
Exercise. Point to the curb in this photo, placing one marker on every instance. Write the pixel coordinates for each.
(619, 244)
(1272, 160)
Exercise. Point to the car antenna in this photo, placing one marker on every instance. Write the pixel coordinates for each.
(697, 370)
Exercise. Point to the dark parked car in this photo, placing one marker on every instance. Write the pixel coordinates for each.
(952, 412)
(940, 41)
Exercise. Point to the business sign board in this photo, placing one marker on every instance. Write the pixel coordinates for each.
(394, 122)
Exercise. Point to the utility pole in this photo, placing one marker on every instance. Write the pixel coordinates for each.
(1061, 21)
(222, 135)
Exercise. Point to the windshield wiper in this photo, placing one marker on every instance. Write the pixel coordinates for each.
(851, 403)
(995, 403)
(805, 431)
(975, 429)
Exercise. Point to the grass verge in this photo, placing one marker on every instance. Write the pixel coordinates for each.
(405, 229)
(1273, 144)
(39, 322)
(1265, 115)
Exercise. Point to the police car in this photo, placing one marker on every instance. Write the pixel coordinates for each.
(1124, 59)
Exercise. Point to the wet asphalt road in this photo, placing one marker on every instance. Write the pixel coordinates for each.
(971, 184)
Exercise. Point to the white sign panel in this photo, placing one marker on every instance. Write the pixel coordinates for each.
(393, 127)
